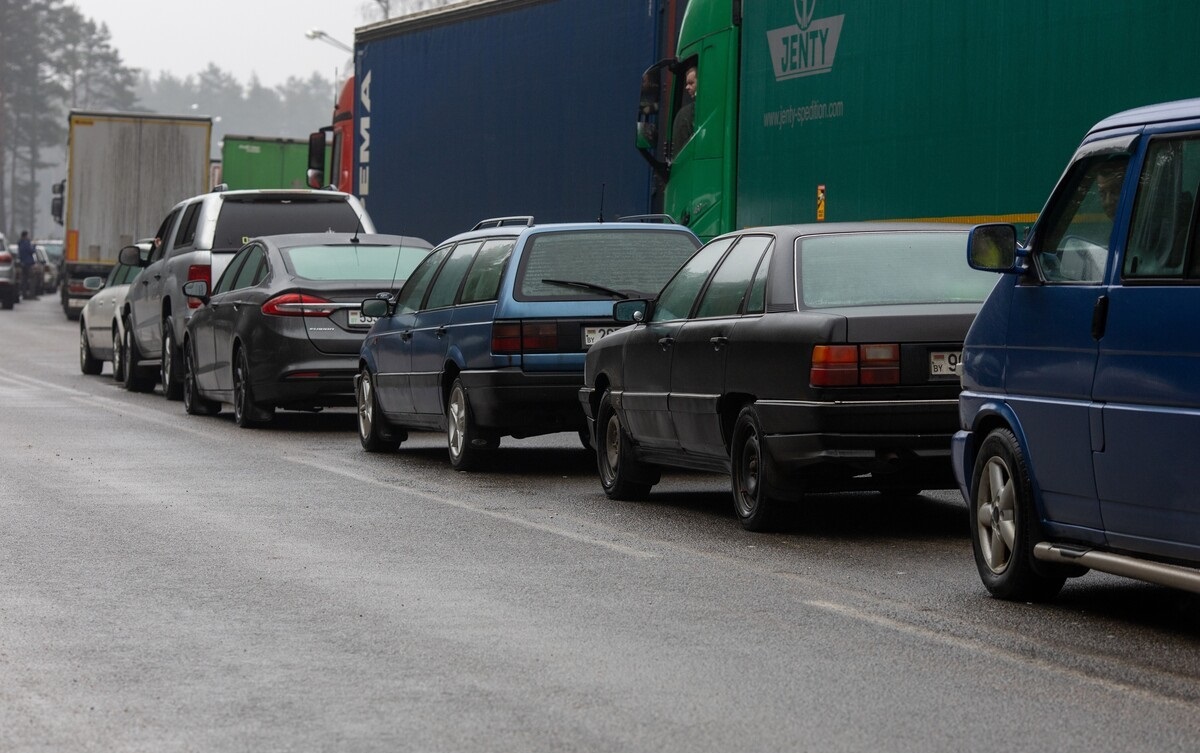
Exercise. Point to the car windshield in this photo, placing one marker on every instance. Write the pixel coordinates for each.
(635, 262)
(878, 268)
(239, 221)
(353, 261)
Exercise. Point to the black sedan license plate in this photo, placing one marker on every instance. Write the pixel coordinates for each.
(944, 363)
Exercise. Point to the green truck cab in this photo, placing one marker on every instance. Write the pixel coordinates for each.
(833, 110)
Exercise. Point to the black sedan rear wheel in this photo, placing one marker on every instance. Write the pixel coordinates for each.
(193, 401)
(246, 412)
(751, 473)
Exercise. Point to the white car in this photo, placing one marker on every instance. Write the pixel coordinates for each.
(101, 328)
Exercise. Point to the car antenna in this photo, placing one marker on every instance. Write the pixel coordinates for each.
(357, 228)
(601, 217)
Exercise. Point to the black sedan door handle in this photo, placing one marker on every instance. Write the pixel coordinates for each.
(718, 342)
(666, 342)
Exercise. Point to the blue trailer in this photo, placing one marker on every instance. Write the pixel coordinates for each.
(504, 107)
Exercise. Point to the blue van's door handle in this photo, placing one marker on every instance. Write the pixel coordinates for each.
(1099, 317)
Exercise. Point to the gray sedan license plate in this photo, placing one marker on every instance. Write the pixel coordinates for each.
(591, 335)
(944, 363)
(358, 320)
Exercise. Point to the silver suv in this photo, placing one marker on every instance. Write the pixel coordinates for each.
(195, 242)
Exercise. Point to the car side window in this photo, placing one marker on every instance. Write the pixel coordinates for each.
(249, 270)
(450, 278)
(1164, 210)
(225, 284)
(483, 279)
(1080, 226)
(114, 274)
(161, 238)
(418, 282)
(676, 299)
(757, 302)
(127, 274)
(187, 227)
(730, 285)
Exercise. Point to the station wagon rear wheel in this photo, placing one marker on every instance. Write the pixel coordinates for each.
(622, 475)
(750, 474)
(1004, 524)
(88, 363)
(466, 442)
(374, 433)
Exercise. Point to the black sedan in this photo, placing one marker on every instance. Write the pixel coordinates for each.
(795, 358)
(282, 326)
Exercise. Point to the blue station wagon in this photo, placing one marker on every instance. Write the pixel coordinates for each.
(487, 337)
(1080, 410)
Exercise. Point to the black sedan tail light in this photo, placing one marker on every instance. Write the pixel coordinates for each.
(298, 304)
(855, 365)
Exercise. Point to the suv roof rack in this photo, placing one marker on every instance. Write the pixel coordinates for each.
(665, 218)
(526, 220)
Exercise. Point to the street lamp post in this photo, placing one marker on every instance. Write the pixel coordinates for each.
(318, 34)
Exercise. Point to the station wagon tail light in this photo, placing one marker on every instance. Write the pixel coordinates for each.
(874, 364)
(512, 338)
(198, 272)
(298, 304)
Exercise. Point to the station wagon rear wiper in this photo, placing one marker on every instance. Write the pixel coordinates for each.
(587, 286)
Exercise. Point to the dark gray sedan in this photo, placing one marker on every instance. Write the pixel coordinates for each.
(282, 327)
(794, 358)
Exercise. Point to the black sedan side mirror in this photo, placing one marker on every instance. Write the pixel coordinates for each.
(631, 311)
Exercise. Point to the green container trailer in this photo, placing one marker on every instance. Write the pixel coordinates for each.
(258, 162)
(831, 110)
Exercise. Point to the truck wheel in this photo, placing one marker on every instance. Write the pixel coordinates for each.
(136, 378)
(193, 401)
(375, 434)
(118, 354)
(1004, 524)
(170, 373)
(466, 441)
(246, 412)
(88, 363)
(622, 476)
(751, 474)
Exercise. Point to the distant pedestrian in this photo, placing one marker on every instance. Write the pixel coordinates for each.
(28, 258)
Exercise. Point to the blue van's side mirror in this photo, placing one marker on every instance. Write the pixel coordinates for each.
(993, 248)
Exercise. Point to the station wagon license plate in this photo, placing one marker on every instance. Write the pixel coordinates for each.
(591, 335)
(358, 320)
(944, 363)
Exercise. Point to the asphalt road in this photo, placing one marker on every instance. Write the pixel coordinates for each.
(175, 583)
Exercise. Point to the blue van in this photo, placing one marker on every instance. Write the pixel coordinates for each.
(1080, 409)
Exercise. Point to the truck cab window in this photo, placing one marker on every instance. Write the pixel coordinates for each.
(684, 124)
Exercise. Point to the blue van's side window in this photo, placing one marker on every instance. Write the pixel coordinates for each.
(1079, 229)
(1164, 211)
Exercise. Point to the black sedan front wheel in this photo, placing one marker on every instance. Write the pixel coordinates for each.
(193, 401)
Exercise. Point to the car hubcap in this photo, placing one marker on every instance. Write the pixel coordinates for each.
(116, 354)
(748, 478)
(996, 515)
(612, 447)
(364, 406)
(457, 423)
(83, 346)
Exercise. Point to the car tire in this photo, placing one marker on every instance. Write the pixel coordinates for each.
(8, 298)
(88, 363)
(375, 434)
(622, 476)
(194, 402)
(1004, 524)
(246, 412)
(170, 373)
(135, 378)
(118, 356)
(466, 442)
(751, 475)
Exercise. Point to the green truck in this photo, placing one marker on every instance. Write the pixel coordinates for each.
(260, 162)
(832, 110)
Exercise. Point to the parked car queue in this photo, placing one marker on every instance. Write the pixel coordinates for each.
(815, 358)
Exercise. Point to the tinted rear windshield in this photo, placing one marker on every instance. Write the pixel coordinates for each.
(353, 262)
(635, 262)
(239, 221)
(865, 269)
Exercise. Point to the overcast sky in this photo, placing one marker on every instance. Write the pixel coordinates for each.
(242, 37)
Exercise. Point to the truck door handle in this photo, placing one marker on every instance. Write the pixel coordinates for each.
(666, 342)
(1099, 317)
(718, 342)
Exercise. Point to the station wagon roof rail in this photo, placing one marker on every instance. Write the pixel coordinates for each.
(525, 220)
